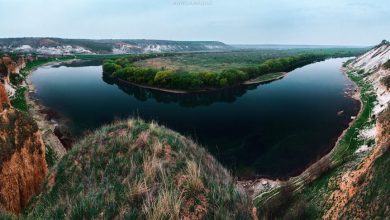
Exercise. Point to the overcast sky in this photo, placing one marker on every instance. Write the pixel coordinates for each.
(331, 22)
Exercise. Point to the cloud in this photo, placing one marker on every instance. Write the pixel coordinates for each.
(232, 21)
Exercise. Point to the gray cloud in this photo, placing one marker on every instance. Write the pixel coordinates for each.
(347, 22)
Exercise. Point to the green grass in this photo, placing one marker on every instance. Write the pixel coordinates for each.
(376, 193)
(7, 216)
(18, 101)
(350, 142)
(138, 170)
(215, 61)
(343, 156)
(51, 157)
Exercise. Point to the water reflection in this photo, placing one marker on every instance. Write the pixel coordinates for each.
(229, 95)
(275, 129)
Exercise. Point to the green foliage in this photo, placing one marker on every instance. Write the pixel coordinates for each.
(387, 64)
(133, 69)
(7, 216)
(18, 101)
(111, 67)
(164, 77)
(350, 141)
(386, 81)
(51, 157)
(16, 79)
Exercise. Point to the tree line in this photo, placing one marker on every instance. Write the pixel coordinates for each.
(125, 69)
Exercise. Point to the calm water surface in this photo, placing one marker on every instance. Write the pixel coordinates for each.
(274, 129)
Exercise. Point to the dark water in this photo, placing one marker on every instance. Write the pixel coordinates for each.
(274, 129)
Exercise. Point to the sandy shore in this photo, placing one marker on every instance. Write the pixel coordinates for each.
(256, 81)
(47, 127)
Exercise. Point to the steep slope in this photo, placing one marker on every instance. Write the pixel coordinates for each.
(371, 65)
(22, 152)
(22, 160)
(135, 170)
(352, 180)
(364, 190)
(58, 46)
(371, 199)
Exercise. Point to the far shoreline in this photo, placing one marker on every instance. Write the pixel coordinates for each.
(202, 91)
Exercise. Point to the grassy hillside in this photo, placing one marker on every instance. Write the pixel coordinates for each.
(136, 170)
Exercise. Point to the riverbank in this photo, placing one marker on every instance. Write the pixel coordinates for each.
(277, 188)
(46, 125)
(266, 78)
(90, 93)
(186, 80)
(343, 181)
(41, 115)
(270, 77)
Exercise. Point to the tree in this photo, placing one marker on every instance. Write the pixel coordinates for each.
(163, 77)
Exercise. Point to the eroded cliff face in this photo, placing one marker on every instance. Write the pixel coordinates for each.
(362, 191)
(22, 156)
(4, 101)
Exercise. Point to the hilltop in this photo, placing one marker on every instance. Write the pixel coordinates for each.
(138, 170)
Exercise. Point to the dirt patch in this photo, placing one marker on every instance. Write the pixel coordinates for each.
(167, 152)
(195, 201)
(350, 184)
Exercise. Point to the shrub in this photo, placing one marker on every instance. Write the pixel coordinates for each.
(386, 81)
(387, 65)
(110, 67)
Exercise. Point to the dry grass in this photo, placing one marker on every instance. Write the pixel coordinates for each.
(137, 170)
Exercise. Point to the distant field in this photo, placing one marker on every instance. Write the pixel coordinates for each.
(213, 70)
(216, 61)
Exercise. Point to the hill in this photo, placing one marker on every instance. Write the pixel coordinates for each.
(60, 46)
(136, 170)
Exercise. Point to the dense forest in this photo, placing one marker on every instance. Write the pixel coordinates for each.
(182, 79)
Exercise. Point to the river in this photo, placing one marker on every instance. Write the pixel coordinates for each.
(274, 129)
